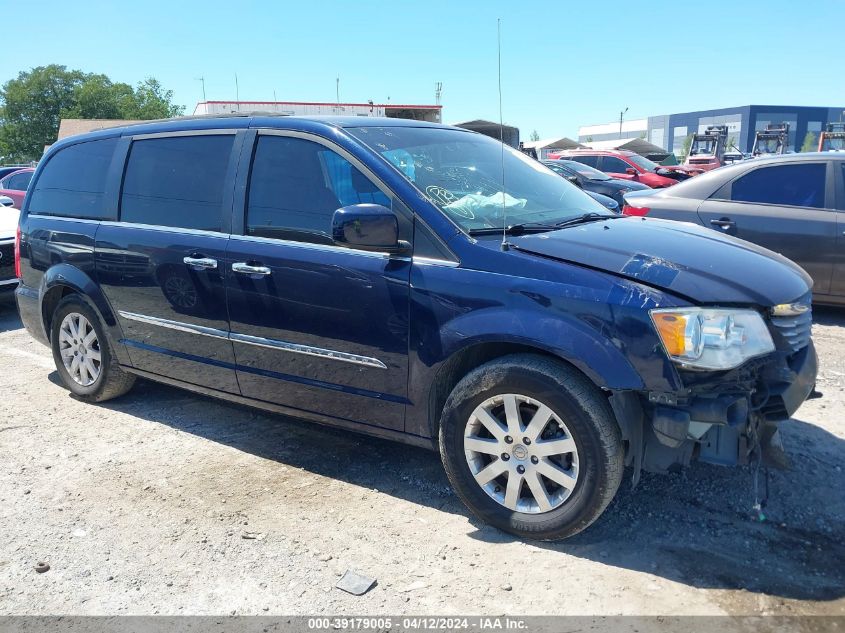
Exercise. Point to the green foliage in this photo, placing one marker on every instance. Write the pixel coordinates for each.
(685, 151)
(811, 143)
(32, 105)
(534, 136)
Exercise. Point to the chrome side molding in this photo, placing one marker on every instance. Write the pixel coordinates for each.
(258, 341)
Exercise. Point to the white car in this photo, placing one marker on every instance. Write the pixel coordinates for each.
(8, 228)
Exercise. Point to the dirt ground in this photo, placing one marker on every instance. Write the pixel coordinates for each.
(163, 502)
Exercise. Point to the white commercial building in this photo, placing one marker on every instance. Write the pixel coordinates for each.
(431, 113)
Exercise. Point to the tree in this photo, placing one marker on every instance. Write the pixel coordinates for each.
(685, 150)
(32, 105)
(811, 143)
(31, 108)
(534, 136)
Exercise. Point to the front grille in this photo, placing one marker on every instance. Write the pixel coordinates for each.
(796, 330)
(7, 261)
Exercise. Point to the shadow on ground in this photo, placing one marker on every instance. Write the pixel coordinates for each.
(694, 528)
(9, 319)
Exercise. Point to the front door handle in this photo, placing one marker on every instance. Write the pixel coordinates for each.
(249, 269)
(200, 263)
(723, 223)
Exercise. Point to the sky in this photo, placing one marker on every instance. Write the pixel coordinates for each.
(564, 63)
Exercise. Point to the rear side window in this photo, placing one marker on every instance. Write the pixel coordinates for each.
(592, 161)
(295, 187)
(799, 185)
(613, 164)
(19, 182)
(73, 181)
(177, 181)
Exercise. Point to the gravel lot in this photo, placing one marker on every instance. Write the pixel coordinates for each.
(164, 502)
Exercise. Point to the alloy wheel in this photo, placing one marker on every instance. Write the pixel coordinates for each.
(521, 453)
(80, 349)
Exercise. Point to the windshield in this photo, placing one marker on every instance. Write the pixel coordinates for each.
(836, 144)
(461, 173)
(590, 173)
(768, 145)
(703, 147)
(642, 162)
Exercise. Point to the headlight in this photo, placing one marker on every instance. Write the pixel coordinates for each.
(711, 338)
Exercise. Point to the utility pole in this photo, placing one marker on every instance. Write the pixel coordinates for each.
(337, 89)
(621, 114)
(237, 93)
(202, 79)
(438, 89)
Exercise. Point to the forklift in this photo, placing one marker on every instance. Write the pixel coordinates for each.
(707, 150)
(771, 141)
(832, 139)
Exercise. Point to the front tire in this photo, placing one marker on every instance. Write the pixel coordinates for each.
(82, 353)
(531, 446)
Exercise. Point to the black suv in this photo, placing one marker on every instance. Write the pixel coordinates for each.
(376, 274)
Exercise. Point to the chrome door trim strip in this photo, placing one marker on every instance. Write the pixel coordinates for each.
(174, 325)
(9, 282)
(308, 350)
(11, 240)
(62, 218)
(433, 261)
(258, 341)
(313, 246)
(164, 229)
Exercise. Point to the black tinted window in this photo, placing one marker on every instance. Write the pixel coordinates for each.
(296, 186)
(19, 182)
(799, 185)
(73, 181)
(177, 181)
(614, 165)
(592, 161)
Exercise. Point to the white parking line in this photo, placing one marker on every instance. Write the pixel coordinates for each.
(37, 359)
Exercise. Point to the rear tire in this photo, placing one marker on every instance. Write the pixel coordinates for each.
(83, 354)
(547, 480)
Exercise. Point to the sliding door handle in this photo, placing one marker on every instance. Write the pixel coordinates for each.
(201, 263)
(248, 269)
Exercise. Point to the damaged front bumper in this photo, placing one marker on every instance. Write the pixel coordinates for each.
(728, 418)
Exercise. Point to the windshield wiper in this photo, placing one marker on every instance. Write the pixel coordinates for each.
(592, 216)
(516, 229)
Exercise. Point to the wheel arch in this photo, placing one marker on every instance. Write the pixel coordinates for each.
(473, 355)
(63, 279)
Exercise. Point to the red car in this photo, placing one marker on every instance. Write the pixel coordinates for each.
(14, 185)
(628, 166)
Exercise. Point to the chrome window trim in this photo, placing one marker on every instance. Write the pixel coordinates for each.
(174, 325)
(433, 261)
(317, 247)
(258, 341)
(164, 229)
(64, 218)
(308, 350)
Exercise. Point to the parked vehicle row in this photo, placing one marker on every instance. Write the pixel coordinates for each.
(626, 165)
(793, 204)
(594, 181)
(14, 185)
(380, 275)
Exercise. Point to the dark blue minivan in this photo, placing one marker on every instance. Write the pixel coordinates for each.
(416, 282)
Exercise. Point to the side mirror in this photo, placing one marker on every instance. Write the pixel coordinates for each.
(631, 171)
(368, 227)
(574, 180)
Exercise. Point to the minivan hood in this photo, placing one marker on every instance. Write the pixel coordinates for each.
(691, 261)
